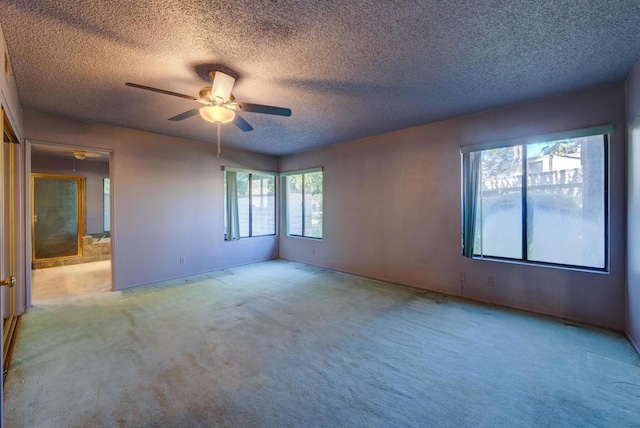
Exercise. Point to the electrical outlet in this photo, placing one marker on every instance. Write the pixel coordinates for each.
(463, 276)
(181, 260)
(490, 281)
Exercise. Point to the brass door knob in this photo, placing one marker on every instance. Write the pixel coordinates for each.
(9, 282)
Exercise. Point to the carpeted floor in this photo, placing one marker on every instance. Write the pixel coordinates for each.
(282, 344)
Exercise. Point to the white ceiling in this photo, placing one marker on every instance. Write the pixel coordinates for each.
(347, 69)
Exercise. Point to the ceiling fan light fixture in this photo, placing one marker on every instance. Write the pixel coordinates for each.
(217, 114)
(79, 154)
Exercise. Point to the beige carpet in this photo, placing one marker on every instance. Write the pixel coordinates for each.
(69, 281)
(281, 344)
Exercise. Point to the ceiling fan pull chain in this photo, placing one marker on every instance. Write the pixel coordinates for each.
(218, 128)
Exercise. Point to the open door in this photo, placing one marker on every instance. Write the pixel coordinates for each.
(7, 243)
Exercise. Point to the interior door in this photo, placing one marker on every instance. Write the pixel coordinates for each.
(7, 243)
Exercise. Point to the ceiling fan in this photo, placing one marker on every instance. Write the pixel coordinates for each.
(220, 106)
(83, 154)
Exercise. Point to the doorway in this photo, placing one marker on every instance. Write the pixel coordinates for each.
(70, 223)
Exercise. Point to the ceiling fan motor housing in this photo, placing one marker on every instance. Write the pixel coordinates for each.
(205, 93)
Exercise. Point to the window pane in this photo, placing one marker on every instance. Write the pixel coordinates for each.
(263, 208)
(565, 202)
(313, 204)
(243, 203)
(294, 202)
(106, 204)
(225, 205)
(499, 215)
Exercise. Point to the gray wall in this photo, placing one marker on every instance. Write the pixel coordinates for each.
(633, 207)
(392, 210)
(94, 172)
(167, 199)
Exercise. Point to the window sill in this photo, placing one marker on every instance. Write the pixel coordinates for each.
(303, 237)
(242, 238)
(545, 265)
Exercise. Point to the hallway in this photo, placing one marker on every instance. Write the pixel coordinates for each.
(71, 281)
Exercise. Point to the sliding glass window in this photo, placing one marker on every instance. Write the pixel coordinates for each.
(250, 204)
(543, 202)
(304, 203)
(106, 204)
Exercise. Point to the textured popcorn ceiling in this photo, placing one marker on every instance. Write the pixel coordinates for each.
(347, 69)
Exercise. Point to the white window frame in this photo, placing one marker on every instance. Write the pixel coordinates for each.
(251, 173)
(106, 204)
(285, 219)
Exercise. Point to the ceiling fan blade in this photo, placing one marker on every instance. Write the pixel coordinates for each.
(242, 124)
(162, 91)
(258, 108)
(222, 85)
(187, 114)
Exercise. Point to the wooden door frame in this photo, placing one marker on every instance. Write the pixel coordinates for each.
(80, 207)
(11, 160)
(16, 267)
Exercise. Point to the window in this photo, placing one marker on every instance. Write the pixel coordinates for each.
(106, 204)
(543, 202)
(250, 204)
(304, 203)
